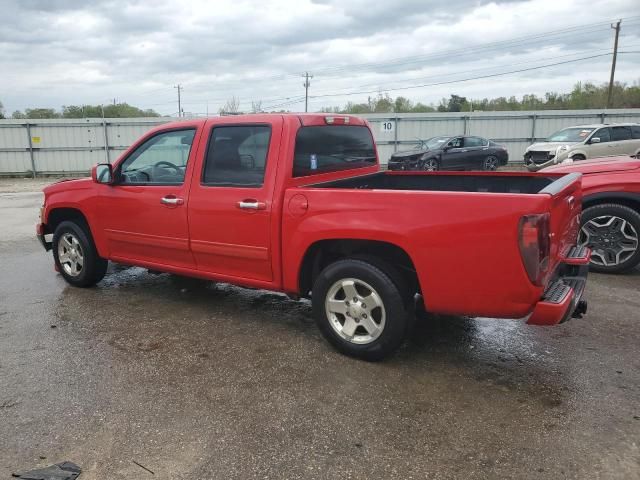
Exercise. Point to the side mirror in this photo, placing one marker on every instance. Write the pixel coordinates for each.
(102, 173)
(595, 140)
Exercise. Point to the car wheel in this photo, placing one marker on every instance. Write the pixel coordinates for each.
(490, 163)
(612, 232)
(360, 310)
(76, 256)
(430, 165)
(577, 158)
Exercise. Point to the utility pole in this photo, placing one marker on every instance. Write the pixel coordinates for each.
(179, 87)
(616, 27)
(306, 86)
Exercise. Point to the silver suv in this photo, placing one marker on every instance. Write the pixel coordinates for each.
(582, 142)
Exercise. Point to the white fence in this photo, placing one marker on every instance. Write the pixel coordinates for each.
(72, 146)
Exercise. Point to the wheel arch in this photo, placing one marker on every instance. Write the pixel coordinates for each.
(631, 200)
(323, 252)
(57, 215)
(582, 152)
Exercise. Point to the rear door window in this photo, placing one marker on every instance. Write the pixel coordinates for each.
(635, 132)
(471, 142)
(323, 149)
(236, 156)
(620, 133)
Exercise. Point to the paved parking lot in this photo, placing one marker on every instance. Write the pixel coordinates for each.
(198, 381)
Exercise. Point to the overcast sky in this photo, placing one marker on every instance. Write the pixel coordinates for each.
(64, 52)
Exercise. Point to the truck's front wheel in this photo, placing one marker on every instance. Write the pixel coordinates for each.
(76, 256)
(359, 309)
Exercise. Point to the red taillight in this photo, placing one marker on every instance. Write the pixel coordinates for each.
(535, 245)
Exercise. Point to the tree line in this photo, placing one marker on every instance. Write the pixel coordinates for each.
(582, 96)
(117, 110)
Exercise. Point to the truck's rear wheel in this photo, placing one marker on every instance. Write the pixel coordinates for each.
(359, 309)
(612, 232)
(76, 256)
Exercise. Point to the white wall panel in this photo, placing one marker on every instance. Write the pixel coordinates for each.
(74, 145)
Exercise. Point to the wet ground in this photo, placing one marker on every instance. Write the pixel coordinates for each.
(199, 381)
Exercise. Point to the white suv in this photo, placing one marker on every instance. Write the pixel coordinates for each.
(582, 142)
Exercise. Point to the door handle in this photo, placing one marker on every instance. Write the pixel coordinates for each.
(171, 200)
(252, 205)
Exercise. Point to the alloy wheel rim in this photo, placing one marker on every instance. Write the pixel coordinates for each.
(355, 311)
(430, 165)
(70, 255)
(491, 163)
(612, 240)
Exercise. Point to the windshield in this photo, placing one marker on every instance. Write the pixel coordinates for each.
(322, 149)
(435, 143)
(573, 134)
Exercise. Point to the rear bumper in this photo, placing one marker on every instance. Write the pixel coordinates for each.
(40, 233)
(562, 299)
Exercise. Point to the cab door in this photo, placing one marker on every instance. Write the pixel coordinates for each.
(231, 199)
(143, 214)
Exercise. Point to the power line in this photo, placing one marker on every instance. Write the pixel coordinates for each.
(379, 86)
(462, 80)
(474, 49)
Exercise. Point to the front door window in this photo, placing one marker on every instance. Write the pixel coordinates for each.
(161, 160)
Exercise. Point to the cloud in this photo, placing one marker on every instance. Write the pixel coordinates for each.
(69, 52)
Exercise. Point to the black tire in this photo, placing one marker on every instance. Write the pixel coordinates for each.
(430, 165)
(578, 158)
(597, 244)
(93, 267)
(394, 301)
(490, 164)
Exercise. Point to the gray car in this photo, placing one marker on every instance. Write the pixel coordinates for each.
(583, 142)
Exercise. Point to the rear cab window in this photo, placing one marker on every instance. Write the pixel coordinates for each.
(331, 148)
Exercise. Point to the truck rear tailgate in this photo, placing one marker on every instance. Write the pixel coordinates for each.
(564, 209)
(566, 272)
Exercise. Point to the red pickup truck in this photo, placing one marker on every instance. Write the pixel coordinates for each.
(298, 204)
(610, 211)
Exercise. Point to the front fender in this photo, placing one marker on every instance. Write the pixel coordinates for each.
(80, 196)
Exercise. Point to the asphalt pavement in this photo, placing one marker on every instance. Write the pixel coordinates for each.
(192, 380)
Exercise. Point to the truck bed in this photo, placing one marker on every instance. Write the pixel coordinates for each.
(476, 182)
